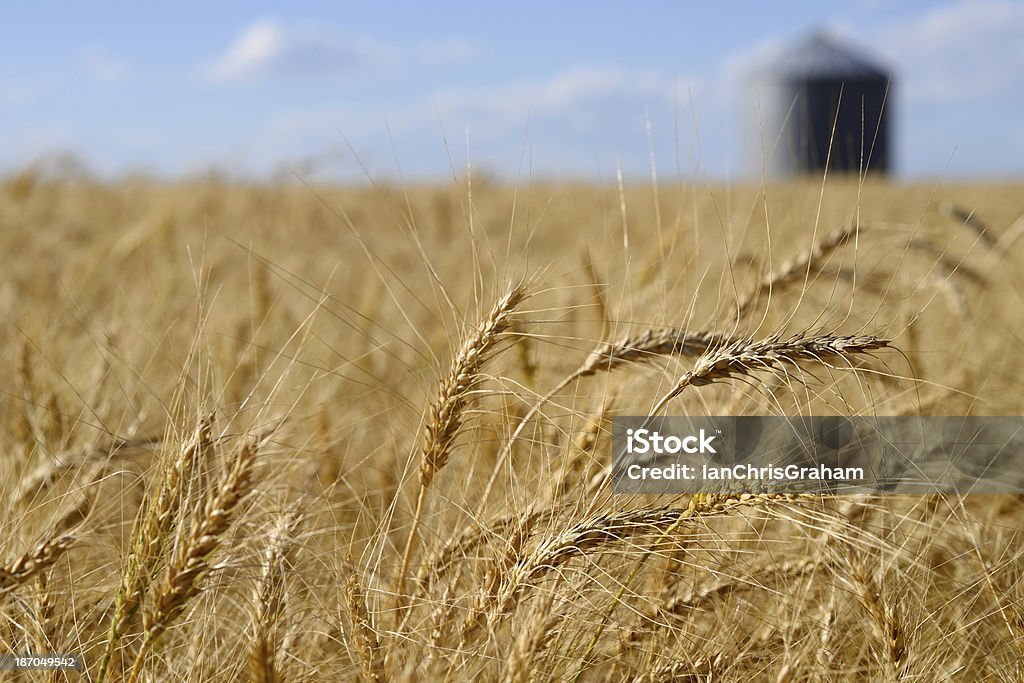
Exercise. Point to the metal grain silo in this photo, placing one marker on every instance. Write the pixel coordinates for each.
(823, 101)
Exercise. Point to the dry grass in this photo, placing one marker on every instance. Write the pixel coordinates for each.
(270, 434)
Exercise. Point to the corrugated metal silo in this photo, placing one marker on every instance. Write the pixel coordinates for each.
(822, 100)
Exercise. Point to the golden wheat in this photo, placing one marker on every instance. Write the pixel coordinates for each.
(135, 533)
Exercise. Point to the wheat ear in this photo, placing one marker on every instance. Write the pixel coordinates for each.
(535, 635)
(361, 633)
(454, 395)
(700, 505)
(45, 553)
(606, 357)
(602, 530)
(800, 267)
(183, 579)
(747, 357)
(885, 623)
(269, 600)
(968, 219)
(152, 524)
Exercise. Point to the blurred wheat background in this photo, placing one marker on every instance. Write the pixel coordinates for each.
(296, 432)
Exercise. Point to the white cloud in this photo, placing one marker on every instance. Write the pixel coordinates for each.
(959, 79)
(447, 52)
(574, 116)
(267, 49)
(737, 67)
(956, 53)
(567, 92)
(963, 51)
(578, 95)
(258, 46)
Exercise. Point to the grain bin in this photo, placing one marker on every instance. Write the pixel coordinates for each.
(822, 101)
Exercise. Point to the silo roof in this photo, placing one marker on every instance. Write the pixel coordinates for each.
(822, 56)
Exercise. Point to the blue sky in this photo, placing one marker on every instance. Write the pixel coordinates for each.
(567, 90)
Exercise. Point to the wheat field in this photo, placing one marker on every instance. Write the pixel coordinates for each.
(311, 433)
